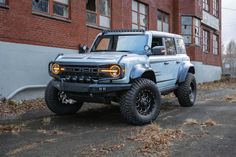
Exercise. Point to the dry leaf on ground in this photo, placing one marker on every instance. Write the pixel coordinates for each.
(157, 140)
(12, 128)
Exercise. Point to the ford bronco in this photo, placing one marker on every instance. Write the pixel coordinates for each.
(132, 67)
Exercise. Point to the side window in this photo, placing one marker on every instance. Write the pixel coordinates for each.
(157, 41)
(170, 46)
(180, 46)
(103, 44)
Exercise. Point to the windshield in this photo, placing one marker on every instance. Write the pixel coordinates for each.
(121, 43)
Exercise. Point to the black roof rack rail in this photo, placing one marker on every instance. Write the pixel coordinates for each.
(123, 30)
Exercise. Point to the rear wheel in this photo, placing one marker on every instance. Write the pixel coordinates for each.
(58, 102)
(141, 104)
(187, 91)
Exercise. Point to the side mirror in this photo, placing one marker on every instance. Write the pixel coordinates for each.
(83, 49)
(158, 50)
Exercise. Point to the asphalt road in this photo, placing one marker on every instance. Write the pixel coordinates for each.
(98, 130)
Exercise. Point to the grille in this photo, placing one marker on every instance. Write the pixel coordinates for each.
(80, 73)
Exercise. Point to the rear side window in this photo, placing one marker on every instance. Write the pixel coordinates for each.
(170, 46)
(180, 46)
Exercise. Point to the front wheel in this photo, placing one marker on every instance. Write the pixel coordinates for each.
(59, 103)
(187, 91)
(141, 104)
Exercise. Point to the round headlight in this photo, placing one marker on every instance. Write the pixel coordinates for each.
(115, 71)
(55, 69)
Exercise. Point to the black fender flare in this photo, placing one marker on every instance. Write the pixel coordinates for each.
(142, 71)
(184, 70)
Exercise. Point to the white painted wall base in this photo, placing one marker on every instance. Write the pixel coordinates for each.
(207, 73)
(24, 67)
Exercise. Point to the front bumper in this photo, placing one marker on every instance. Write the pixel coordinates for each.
(89, 88)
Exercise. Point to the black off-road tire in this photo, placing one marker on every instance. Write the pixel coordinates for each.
(187, 91)
(55, 105)
(129, 102)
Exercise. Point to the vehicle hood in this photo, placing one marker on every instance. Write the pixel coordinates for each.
(97, 58)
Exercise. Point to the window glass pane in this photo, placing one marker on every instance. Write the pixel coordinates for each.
(143, 20)
(134, 26)
(62, 1)
(142, 8)
(187, 39)
(104, 7)
(165, 27)
(135, 6)
(159, 25)
(103, 44)
(144, 28)
(186, 20)
(157, 42)
(134, 17)
(91, 5)
(40, 5)
(3, 1)
(60, 9)
(187, 29)
(180, 46)
(170, 46)
(104, 21)
(91, 18)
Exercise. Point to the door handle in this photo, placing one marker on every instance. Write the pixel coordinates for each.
(177, 62)
(166, 63)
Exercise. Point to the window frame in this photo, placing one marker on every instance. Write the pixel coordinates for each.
(138, 15)
(163, 15)
(206, 5)
(205, 41)
(193, 30)
(215, 10)
(97, 13)
(215, 44)
(67, 5)
(50, 12)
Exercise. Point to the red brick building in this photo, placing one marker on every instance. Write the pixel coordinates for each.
(28, 27)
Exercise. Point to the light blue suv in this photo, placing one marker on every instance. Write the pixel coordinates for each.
(132, 67)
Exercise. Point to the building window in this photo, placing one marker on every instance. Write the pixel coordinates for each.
(216, 8)
(206, 41)
(99, 13)
(215, 44)
(197, 31)
(206, 5)
(3, 2)
(162, 21)
(60, 7)
(40, 5)
(187, 22)
(139, 15)
(191, 30)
